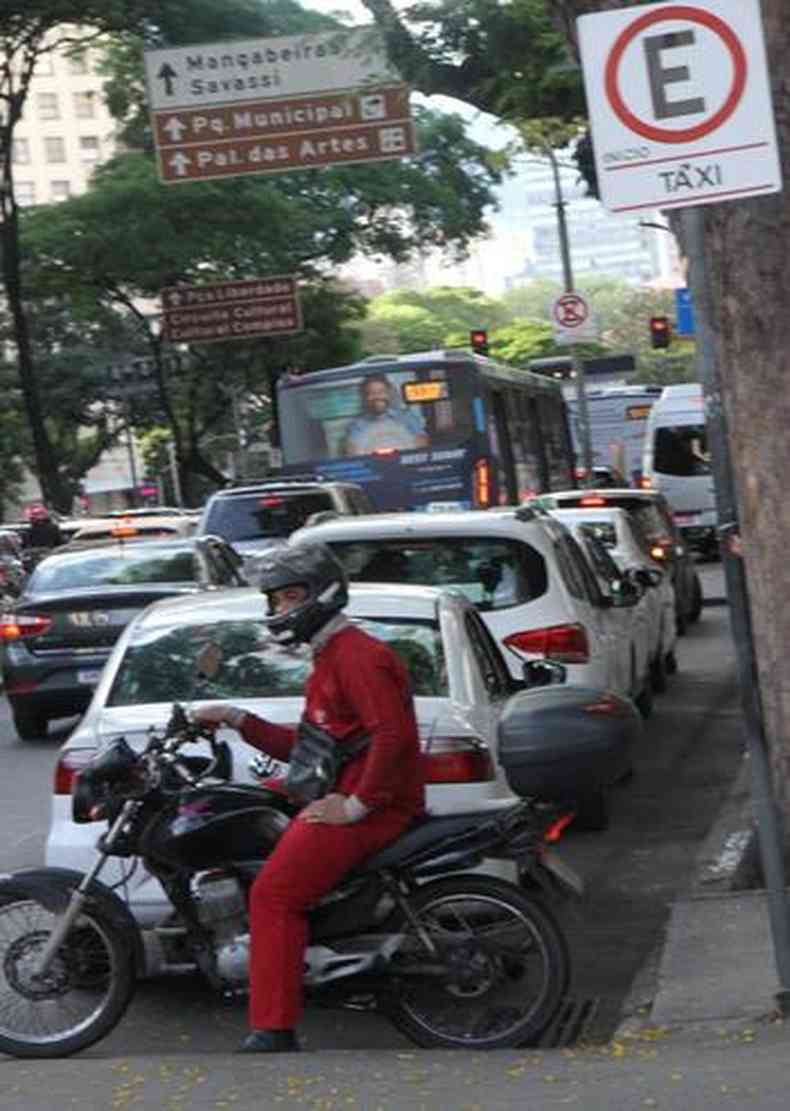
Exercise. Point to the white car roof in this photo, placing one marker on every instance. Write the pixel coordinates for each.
(574, 514)
(465, 522)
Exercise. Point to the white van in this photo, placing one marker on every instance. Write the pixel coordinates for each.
(676, 462)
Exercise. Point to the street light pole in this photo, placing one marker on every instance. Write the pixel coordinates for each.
(567, 275)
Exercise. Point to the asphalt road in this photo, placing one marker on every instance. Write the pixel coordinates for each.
(684, 767)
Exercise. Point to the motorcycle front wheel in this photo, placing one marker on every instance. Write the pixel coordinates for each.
(80, 997)
(504, 966)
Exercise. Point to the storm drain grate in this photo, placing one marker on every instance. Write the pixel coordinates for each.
(569, 1024)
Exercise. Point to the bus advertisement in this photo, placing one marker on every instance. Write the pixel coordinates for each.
(428, 431)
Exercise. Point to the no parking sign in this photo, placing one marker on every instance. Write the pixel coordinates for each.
(680, 104)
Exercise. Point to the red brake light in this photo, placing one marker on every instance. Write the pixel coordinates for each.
(68, 767)
(592, 500)
(386, 451)
(566, 644)
(645, 482)
(457, 760)
(19, 626)
(270, 502)
(558, 827)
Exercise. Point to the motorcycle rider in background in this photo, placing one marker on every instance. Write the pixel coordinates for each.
(44, 532)
(358, 684)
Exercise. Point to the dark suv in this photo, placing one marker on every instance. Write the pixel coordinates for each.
(663, 541)
(255, 516)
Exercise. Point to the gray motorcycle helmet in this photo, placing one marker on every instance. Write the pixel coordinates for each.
(319, 571)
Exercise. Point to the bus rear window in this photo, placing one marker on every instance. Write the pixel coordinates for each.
(382, 411)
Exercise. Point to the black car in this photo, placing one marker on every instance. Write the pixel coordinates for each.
(56, 637)
(254, 516)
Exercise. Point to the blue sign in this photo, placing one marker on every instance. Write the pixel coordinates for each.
(684, 313)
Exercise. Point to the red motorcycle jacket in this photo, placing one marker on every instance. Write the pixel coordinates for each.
(359, 684)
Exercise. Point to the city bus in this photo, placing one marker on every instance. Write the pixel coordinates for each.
(428, 431)
(618, 421)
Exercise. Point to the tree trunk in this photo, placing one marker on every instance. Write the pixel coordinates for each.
(748, 256)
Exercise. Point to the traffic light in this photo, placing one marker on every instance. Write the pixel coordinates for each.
(660, 331)
(478, 338)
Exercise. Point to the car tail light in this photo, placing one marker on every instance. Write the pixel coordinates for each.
(558, 827)
(270, 502)
(592, 501)
(645, 482)
(18, 626)
(458, 760)
(566, 644)
(68, 767)
(482, 484)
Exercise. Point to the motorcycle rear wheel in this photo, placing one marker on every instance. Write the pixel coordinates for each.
(80, 998)
(508, 967)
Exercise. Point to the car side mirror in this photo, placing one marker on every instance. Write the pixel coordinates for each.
(543, 673)
(626, 592)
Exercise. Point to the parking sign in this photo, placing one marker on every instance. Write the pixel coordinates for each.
(680, 104)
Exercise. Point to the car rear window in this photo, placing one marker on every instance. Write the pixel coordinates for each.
(493, 573)
(160, 665)
(264, 516)
(128, 567)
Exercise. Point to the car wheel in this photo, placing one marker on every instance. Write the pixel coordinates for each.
(658, 672)
(31, 725)
(696, 601)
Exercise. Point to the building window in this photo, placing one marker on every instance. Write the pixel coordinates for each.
(54, 148)
(25, 192)
(21, 151)
(78, 63)
(85, 105)
(89, 148)
(60, 190)
(48, 107)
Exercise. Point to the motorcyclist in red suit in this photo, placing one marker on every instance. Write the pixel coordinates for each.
(357, 684)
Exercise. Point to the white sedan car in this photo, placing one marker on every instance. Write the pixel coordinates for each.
(614, 528)
(460, 682)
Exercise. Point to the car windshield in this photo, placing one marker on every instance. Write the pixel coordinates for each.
(491, 573)
(264, 516)
(125, 566)
(160, 663)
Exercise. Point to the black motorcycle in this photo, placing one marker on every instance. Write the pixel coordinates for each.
(453, 959)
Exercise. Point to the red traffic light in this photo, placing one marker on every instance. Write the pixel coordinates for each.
(660, 331)
(478, 339)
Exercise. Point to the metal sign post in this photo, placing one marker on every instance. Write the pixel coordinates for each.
(681, 114)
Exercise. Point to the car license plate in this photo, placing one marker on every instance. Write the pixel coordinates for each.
(89, 676)
(564, 873)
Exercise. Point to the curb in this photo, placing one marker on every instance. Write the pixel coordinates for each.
(726, 861)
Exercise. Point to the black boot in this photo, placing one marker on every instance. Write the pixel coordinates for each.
(270, 1041)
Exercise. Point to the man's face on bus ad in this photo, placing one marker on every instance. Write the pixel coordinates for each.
(377, 397)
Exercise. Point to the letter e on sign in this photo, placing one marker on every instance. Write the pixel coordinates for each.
(686, 87)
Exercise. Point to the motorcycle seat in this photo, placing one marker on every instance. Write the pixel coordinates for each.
(423, 833)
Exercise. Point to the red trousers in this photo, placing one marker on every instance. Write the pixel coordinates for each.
(307, 863)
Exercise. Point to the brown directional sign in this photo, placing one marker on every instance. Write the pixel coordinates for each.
(231, 310)
(273, 136)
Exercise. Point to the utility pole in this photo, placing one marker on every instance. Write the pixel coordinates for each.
(567, 275)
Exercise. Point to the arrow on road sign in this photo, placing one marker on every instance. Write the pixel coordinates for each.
(180, 162)
(174, 128)
(167, 73)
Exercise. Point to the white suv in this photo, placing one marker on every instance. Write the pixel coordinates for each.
(523, 570)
